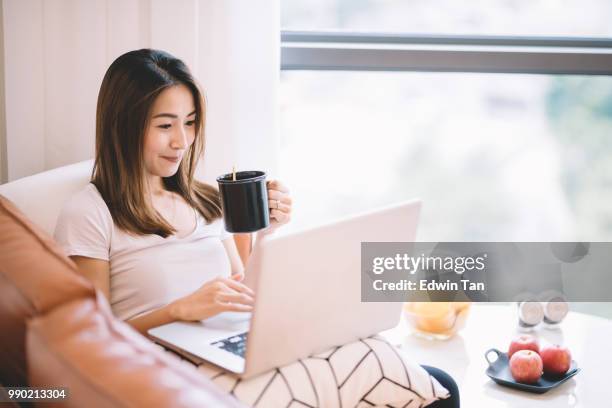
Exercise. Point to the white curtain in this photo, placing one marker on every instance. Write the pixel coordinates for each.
(56, 53)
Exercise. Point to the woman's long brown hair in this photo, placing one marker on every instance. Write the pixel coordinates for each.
(127, 94)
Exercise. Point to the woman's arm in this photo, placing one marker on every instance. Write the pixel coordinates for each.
(98, 273)
(155, 318)
(237, 259)
(215, 296)
(243, 245)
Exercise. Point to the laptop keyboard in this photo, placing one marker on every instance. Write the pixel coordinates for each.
(235, 344)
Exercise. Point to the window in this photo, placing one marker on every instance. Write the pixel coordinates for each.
(495, 151)
(584, 18)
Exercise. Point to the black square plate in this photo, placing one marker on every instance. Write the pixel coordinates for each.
(499, 371)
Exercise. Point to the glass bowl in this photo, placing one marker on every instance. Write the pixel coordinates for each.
(436, 320)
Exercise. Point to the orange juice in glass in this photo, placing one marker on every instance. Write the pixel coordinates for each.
(436, 320)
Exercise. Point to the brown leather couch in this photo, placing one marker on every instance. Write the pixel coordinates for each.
(56, 331)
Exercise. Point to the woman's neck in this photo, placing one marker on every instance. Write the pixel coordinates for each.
(155, 186)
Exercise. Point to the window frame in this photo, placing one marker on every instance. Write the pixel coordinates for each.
(360, 51)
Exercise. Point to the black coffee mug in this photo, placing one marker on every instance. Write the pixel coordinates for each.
(244, 201)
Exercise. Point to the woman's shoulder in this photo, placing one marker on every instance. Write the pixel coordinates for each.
(86, 203)
(85, 198)
(84, 226)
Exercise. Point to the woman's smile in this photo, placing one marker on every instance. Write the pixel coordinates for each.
(172, 159)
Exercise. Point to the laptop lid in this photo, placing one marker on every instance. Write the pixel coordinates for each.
(308, 287)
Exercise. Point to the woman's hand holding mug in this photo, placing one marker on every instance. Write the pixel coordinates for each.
(279, 203)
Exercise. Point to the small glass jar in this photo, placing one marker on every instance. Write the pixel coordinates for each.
(530, 314)
(555, 311)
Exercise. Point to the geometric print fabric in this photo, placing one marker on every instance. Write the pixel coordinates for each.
(366, 373)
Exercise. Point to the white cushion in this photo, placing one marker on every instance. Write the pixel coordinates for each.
(360, 374)
(41, 196)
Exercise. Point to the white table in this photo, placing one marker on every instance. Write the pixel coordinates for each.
(589, 339)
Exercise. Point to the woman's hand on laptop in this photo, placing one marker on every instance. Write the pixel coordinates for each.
(214, 297)
(279, 202)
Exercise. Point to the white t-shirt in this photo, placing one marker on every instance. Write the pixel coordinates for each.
(146, 271)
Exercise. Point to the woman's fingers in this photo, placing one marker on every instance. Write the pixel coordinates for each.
(279, 202)
(277, 185)
(237, 286)
(238, 277)
(236, 307)
(279, 195)
(280, 216)
(241, 298)
(272, 204)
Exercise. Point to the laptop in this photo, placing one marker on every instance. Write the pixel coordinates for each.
(307, 296)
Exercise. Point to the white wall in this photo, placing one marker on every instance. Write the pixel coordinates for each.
(56, 53)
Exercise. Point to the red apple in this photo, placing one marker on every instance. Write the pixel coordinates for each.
(523, 342)
(556, 360)
(526, 366)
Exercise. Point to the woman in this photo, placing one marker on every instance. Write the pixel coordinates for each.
(144, 231)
